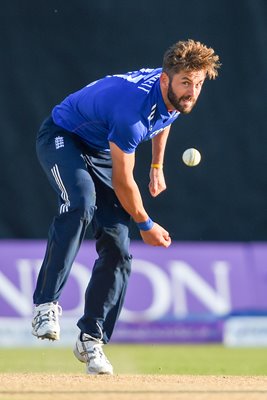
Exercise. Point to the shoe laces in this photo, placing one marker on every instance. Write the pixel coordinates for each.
(93, 347)
(97, 352)
(59, 309)
(49, 311)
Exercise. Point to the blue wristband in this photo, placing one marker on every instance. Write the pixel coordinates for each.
(145, 226)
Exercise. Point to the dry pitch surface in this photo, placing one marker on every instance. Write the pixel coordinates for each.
(131, 387)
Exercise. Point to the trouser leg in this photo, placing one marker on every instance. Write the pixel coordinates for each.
(67, 172)
(107, 287)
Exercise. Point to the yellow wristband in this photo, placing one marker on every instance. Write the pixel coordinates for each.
(158, 166)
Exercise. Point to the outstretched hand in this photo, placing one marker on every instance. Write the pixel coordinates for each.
(157, 236)
(157, 181)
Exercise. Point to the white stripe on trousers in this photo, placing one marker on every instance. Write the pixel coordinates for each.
(64, 195)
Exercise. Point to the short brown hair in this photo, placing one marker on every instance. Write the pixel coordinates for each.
(190, 56)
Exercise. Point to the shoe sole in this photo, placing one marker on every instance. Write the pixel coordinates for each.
(98, 373)
(48, 335)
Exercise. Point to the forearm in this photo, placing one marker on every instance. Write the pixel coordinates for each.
(157, 181)
(124, 183)
(159, 145)
(130, 198)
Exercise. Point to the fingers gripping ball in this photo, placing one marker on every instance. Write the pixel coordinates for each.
(191, 157)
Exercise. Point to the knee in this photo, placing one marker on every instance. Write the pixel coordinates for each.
(83, 208)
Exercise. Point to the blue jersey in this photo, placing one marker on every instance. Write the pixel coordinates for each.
(125, 109)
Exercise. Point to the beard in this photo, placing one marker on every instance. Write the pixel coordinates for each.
(176, 102)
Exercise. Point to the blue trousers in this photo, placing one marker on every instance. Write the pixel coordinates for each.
(81, 177)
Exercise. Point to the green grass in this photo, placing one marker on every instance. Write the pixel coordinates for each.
(143, 359)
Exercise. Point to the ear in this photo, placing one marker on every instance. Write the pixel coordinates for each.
(164, 80)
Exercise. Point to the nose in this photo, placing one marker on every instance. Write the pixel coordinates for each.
(192, 91)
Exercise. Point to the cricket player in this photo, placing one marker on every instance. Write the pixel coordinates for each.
(86, 148)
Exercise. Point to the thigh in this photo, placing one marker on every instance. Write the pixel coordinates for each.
(109, 212)
(60, 155)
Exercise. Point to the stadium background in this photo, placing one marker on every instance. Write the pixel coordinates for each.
(53, 47)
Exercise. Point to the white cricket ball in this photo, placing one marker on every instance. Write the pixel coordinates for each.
(191, 157)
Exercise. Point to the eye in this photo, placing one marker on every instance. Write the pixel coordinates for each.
(199, 85)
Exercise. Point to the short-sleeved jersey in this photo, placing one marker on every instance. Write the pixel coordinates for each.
(125, 109)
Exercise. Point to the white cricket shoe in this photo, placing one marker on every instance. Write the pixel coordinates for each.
(45, 321)
(89, 350)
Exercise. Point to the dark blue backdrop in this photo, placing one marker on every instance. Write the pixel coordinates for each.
(50, 48)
